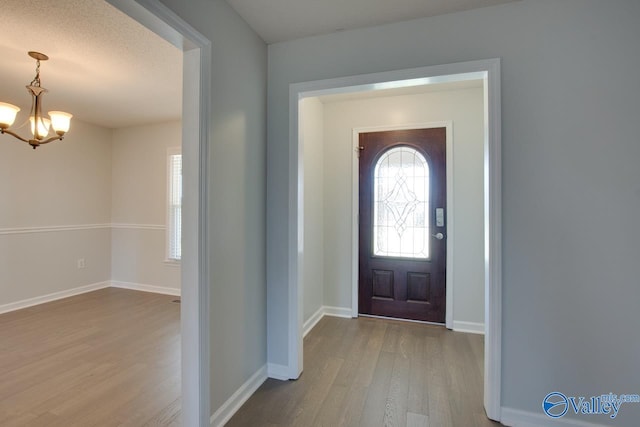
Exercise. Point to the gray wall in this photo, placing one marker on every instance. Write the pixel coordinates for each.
(312, 136)
(94, 178)
(64, 183)
(236, 193)
(139, 204)
(571, 183)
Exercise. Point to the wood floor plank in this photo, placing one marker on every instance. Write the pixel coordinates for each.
(395, 408)
(267, 405)
(375, 372)
(437, 384)
(365, 370)
(374, 409)
(331, 411)
(16, 419)
(306, 411)
(109, 357)
(418, 396)
(477, 346)
(168, 416)
(354, 406)
(417, 420)
(353, 362)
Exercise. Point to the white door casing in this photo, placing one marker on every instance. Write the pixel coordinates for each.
(489, 72)
(196, 393)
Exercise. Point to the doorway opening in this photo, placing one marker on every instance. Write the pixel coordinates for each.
(488, 71)
(194, 327)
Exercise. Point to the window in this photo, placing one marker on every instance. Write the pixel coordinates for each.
(174, 203)
(401, 204)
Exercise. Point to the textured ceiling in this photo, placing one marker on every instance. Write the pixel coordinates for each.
(280, 20)
(109, 70)
(104, 68)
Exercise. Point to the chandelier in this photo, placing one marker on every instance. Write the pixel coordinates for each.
(58, 121)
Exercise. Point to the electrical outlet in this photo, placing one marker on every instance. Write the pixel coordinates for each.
(80, 263)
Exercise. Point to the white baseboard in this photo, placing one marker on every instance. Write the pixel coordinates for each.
(338, 312)
(145, 288)
(312, 321)
(468, 327)
(324, 311)
(278, 372)
(231, 406)
(516, 418)
(30, 302)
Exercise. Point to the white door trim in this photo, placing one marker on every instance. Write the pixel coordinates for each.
(195, 325)
(489, 72)
(450, 225)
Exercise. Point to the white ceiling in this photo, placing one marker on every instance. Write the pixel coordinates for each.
(281, 20)
(108, 70)
(104, 68)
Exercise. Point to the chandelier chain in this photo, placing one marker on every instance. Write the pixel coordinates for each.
(36, 79)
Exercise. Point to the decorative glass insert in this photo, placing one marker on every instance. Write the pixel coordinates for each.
(401, 204)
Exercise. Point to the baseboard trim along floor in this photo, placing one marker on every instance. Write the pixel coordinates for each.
(30, 302)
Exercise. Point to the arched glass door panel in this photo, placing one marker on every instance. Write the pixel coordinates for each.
(401, 204)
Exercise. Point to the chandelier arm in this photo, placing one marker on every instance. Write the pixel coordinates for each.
(34, 142)
(53, 138)
(15, 135)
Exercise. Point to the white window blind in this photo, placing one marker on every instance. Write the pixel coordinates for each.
(174, 215)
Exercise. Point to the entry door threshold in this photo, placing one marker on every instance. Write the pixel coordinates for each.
(424, 322)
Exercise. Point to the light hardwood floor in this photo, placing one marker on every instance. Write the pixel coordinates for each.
(105, 358)
(374, 372)
(112, 358)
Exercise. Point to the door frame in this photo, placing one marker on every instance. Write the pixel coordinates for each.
(196, 87)
(487, 70)
(355, 199)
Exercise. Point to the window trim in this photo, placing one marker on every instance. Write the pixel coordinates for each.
(171, 151)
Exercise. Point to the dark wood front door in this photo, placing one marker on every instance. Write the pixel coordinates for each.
(402, 260)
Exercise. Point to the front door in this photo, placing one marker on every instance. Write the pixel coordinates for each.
(402, 231)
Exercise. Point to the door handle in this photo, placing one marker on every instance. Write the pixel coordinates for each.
(438, 236)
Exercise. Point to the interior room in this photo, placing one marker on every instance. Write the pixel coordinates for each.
(90, 277)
